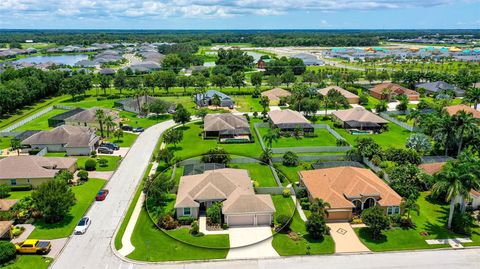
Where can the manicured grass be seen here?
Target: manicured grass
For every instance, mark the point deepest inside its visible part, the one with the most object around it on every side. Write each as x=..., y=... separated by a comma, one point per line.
x=29, y=262
x=193, y=144
x=284, y=245
x=126, y=141
x=258, y=172
x=324, y=138
x=291, y=172
x=245, y=103
x=131, y=119
x=40, y=123
x=113, y=162
x=152, y=244
x=18, y=194
x=5, y=142
x=432, y=219
x=131, y=207
x=85, y=195
x=209, y=241
x=56, y=154
x=178, y=173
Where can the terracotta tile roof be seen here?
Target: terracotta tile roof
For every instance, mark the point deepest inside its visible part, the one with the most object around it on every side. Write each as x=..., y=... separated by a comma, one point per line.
x=287, y=116
x=344, y=92
x=6, y=204
x=453, y=110
x=33, y=166
x=275, y=94
x=432, y=168
x=475, y=193
x=339, y=185
x=395, y=88
x=67, y=135
x=233, y=186
x=359, y=114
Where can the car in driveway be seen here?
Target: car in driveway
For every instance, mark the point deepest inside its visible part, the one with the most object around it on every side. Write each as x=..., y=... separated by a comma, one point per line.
x=82, y=226
x=110, y=145
x=138, y=130
x=127, y=128
x=105, y=150
x=101, y=195
x=33, y=246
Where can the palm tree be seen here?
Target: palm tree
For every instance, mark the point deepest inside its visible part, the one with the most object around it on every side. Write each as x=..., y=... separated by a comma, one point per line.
x=100, y=116
x=464, y=123
x=272, y=136
x=473, y=96
x=410, y=204
x=414, y=115
x=16, y=144
x=110, y=124
x=444, y=131
x=320, y=206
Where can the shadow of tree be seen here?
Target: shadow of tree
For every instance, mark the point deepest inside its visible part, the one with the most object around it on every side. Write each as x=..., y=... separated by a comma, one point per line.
x=47, y=226
x=366, y=234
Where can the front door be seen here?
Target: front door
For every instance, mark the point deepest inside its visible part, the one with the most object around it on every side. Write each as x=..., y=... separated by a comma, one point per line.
x=203, y=207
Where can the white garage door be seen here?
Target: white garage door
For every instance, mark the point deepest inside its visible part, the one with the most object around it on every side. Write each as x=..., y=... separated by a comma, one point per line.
x=263, y=220
x=244, y=220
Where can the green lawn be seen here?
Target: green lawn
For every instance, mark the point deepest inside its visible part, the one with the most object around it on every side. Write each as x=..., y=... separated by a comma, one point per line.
x=5, y=142
x=194, y=145
x=258, y=172
x=432, y=219
x=113, y=162
x=324, y=138
x=284, y=245
x=40, y=123
x=245, y=103
x=291, y=172
x=29, y=262
x=126, y=141
x=152, y=244
x=131, y=119
x=18, y=194
x=85, y=195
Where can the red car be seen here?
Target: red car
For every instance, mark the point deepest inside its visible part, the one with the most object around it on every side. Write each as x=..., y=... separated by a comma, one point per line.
x=101, y=195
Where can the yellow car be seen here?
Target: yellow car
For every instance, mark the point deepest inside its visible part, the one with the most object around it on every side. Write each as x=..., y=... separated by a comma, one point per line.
x=34, y=246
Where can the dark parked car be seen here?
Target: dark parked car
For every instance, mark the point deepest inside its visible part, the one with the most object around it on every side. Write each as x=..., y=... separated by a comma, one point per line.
x=138, y=130
x=127, y=128
x=105, y=150
x=110, y=145
x=101, y=195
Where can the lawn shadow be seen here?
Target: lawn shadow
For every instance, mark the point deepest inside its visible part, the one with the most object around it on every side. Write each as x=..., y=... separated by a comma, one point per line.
x=366, y=234
x=41, y=224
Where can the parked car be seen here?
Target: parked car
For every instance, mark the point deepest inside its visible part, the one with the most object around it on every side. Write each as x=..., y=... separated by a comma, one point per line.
x=33, y=246
x=82, y=225
x=105, y=150
x=127, y=128
x=110, y=145
x=101, y=195
x=138, y=130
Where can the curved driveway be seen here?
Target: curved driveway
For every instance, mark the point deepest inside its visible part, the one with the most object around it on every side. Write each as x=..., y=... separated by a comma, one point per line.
x=93, y=250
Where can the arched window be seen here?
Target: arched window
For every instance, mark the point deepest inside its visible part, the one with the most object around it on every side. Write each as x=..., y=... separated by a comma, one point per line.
x=357, y=206
x=368, y=203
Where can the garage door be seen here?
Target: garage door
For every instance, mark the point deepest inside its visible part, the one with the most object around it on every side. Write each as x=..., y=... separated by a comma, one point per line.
x=264, y=220
x=244, y=220
x=339, y=215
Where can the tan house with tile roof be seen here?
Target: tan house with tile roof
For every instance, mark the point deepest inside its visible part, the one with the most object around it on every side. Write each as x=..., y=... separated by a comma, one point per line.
x=389, y=91
x=351, y=97
x=234, y=188
x=289, y=120
x=453, y=110
x=226, y=125
x=33, y=170
x=275, y=94
x=358, y=118
x=349, y=190
x=7, y=204
x=88, y=119
x=73, y=140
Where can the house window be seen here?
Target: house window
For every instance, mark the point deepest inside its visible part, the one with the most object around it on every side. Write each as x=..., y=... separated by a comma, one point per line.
x=13, y=182
x=187, y=211
x=389, y=210
x=397, y=210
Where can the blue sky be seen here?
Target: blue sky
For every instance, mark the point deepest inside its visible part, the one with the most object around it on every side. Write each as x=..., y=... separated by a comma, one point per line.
x=240, y=14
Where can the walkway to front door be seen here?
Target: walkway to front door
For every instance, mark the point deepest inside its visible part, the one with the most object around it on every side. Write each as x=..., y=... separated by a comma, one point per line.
x=346, y=241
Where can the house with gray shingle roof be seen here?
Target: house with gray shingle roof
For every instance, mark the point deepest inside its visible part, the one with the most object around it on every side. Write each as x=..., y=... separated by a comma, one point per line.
x=440, y=87
x=226, y=126
x=205, y=99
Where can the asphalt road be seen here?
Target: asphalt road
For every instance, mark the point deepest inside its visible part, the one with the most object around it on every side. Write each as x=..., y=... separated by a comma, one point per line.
x=93, y=249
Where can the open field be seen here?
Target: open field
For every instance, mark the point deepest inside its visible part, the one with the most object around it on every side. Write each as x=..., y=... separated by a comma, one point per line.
x=40, y=123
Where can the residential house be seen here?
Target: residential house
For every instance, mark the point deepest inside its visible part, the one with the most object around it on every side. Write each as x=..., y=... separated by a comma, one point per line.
x=388, y=91
x=205, y=99
x=309, y=59
x=88, y=118
x=59, y=119
x=135, y=105
x=33, y=170
x=453, y=110
x=226, y=126
x=437, y=87
x=5, y=229
x=7, y=204
x=233, y=188
x=73, y=140
x=351, y=97
x=359, y=118
x=349, y=190
x=274, y=95
x=289, y=120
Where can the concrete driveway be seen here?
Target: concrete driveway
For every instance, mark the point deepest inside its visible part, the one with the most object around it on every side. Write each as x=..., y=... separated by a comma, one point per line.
x=122, y=152
x=346, y=241
x=251, y=243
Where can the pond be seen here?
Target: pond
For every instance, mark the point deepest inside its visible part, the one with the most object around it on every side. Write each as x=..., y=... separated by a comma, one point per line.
x=60, y=59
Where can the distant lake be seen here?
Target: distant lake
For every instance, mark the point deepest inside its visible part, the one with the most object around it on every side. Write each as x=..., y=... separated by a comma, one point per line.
x=256, y=56
x=60, y=59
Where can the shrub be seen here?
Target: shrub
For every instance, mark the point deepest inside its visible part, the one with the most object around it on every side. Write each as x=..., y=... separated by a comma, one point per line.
x=6, y=215
x=216, y=155
x=214, y=213
x=185, y=220
x=17, y=231
x=376, y=220
x=83, y=175
x=316, y=225
x=4, y=189
x=194, y=228
x=8, y=252
x=286, y=193
x=462, y=222
x=376, y=160
x=90, y=165
x=283, y=222
x=342, y=143
x=21, y=188
x=224, y=226
x=305, y=205
x=290, y=159
x=93, y=153
x=301, y=193
x=167, y=222
x=103, y=162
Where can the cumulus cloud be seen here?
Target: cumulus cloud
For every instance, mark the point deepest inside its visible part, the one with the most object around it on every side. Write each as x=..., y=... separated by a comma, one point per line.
x=102, y=9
